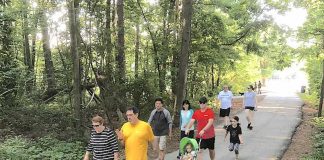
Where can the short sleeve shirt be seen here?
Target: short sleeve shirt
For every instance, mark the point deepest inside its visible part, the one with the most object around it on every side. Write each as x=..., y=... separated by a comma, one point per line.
x=234, y=133
x=249, y=99
x=226, y=99
x=202, y=120
x=136, y=140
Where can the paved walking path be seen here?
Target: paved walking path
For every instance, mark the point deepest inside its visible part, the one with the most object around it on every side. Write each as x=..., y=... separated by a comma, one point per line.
x=275, y=121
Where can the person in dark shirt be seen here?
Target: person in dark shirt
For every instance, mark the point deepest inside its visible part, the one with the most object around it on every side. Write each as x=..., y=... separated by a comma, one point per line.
x=235, y=132
x=259, y=87
x=161, y=122
x=103, y=143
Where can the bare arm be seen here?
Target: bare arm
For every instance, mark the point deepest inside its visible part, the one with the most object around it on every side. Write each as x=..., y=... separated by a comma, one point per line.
x=209, y=124
x=86, y=155
x=225, y=135
x=120, y=137
x=241, y=138
x=192, y=121
x=116, y=156
x=169, y=122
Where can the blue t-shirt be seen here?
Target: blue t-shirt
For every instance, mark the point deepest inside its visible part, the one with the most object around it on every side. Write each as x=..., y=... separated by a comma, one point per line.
x=249, y=99
x=185, y=119
x=225, y=99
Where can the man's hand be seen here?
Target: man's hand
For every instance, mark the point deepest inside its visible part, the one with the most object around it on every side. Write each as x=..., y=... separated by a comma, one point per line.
x=86, y=156
x=187, y=132
x=119, y=134
x=201, y=133
x=116, y=156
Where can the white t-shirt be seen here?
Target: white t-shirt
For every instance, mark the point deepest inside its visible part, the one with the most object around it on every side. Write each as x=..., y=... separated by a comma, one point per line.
x=225, y=99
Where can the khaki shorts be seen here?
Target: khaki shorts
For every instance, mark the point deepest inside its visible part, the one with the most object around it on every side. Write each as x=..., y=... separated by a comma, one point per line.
x=160, y=141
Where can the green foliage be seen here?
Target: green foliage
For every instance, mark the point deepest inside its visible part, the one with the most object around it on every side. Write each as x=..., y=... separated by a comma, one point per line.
x=18, y=148
x=311, y=99
x=143, y=94
x=319, y=122
x=313, y=69
x=228, y=41
x=318, y=152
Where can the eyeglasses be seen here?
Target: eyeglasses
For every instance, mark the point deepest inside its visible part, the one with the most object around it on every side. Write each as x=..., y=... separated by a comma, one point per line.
x=95, y=126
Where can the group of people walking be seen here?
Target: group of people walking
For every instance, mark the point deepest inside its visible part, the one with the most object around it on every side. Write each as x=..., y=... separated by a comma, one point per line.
x=136, y=135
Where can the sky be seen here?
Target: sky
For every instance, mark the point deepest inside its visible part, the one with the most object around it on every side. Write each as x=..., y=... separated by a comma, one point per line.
x=293, y=18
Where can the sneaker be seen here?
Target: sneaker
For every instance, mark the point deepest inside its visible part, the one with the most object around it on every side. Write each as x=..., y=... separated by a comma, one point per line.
x=178, y=157
x=249, y=126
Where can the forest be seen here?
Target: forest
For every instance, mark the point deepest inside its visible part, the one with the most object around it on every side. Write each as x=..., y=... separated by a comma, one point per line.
x=61, y=62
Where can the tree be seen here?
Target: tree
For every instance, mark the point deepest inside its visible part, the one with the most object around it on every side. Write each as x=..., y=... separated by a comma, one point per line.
x=184, y=55
x=73, y=6
x=49, y=66
x=313, y=29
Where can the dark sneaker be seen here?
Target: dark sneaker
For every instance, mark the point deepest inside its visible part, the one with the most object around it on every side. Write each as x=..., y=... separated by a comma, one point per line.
x=249, y=126
x=178, y=157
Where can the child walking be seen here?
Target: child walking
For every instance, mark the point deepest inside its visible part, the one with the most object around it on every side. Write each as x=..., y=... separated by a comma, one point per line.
x=235, y=136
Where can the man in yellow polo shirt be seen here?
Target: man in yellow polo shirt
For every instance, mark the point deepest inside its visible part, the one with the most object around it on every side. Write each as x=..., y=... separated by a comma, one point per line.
x=135, y=136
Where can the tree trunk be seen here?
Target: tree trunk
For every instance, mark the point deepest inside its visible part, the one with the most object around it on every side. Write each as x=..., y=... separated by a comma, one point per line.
x=320, y=106
x=157, y=60
x=49, y=67
x=120, y=58
x=175, y=53
x=25, y=29
x=218, y=77
x=137, y=93
x=27, y=56
x=76, y=64
x=137, y=45
x=193, y=80
x=213, y=78
x=107, y=83
x=184, y=58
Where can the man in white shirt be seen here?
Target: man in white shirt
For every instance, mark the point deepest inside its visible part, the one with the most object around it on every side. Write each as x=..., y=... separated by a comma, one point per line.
x=226, y=102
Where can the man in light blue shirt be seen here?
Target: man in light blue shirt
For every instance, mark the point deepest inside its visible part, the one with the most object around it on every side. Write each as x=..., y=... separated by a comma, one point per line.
x=226, y=102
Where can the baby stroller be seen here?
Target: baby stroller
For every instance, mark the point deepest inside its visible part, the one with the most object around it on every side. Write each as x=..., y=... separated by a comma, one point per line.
x=188, y=149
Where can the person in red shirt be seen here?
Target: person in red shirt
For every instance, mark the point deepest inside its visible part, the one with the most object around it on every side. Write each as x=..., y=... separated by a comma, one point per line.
x=205, y=125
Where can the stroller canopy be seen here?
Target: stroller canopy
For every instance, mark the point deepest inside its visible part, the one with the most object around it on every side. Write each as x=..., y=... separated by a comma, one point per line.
x=185, y=141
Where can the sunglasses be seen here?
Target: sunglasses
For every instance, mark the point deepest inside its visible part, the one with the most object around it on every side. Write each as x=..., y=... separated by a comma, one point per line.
x=95, y=126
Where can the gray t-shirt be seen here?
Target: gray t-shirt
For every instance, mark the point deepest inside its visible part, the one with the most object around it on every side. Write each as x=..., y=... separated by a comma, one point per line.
x=249, y=99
